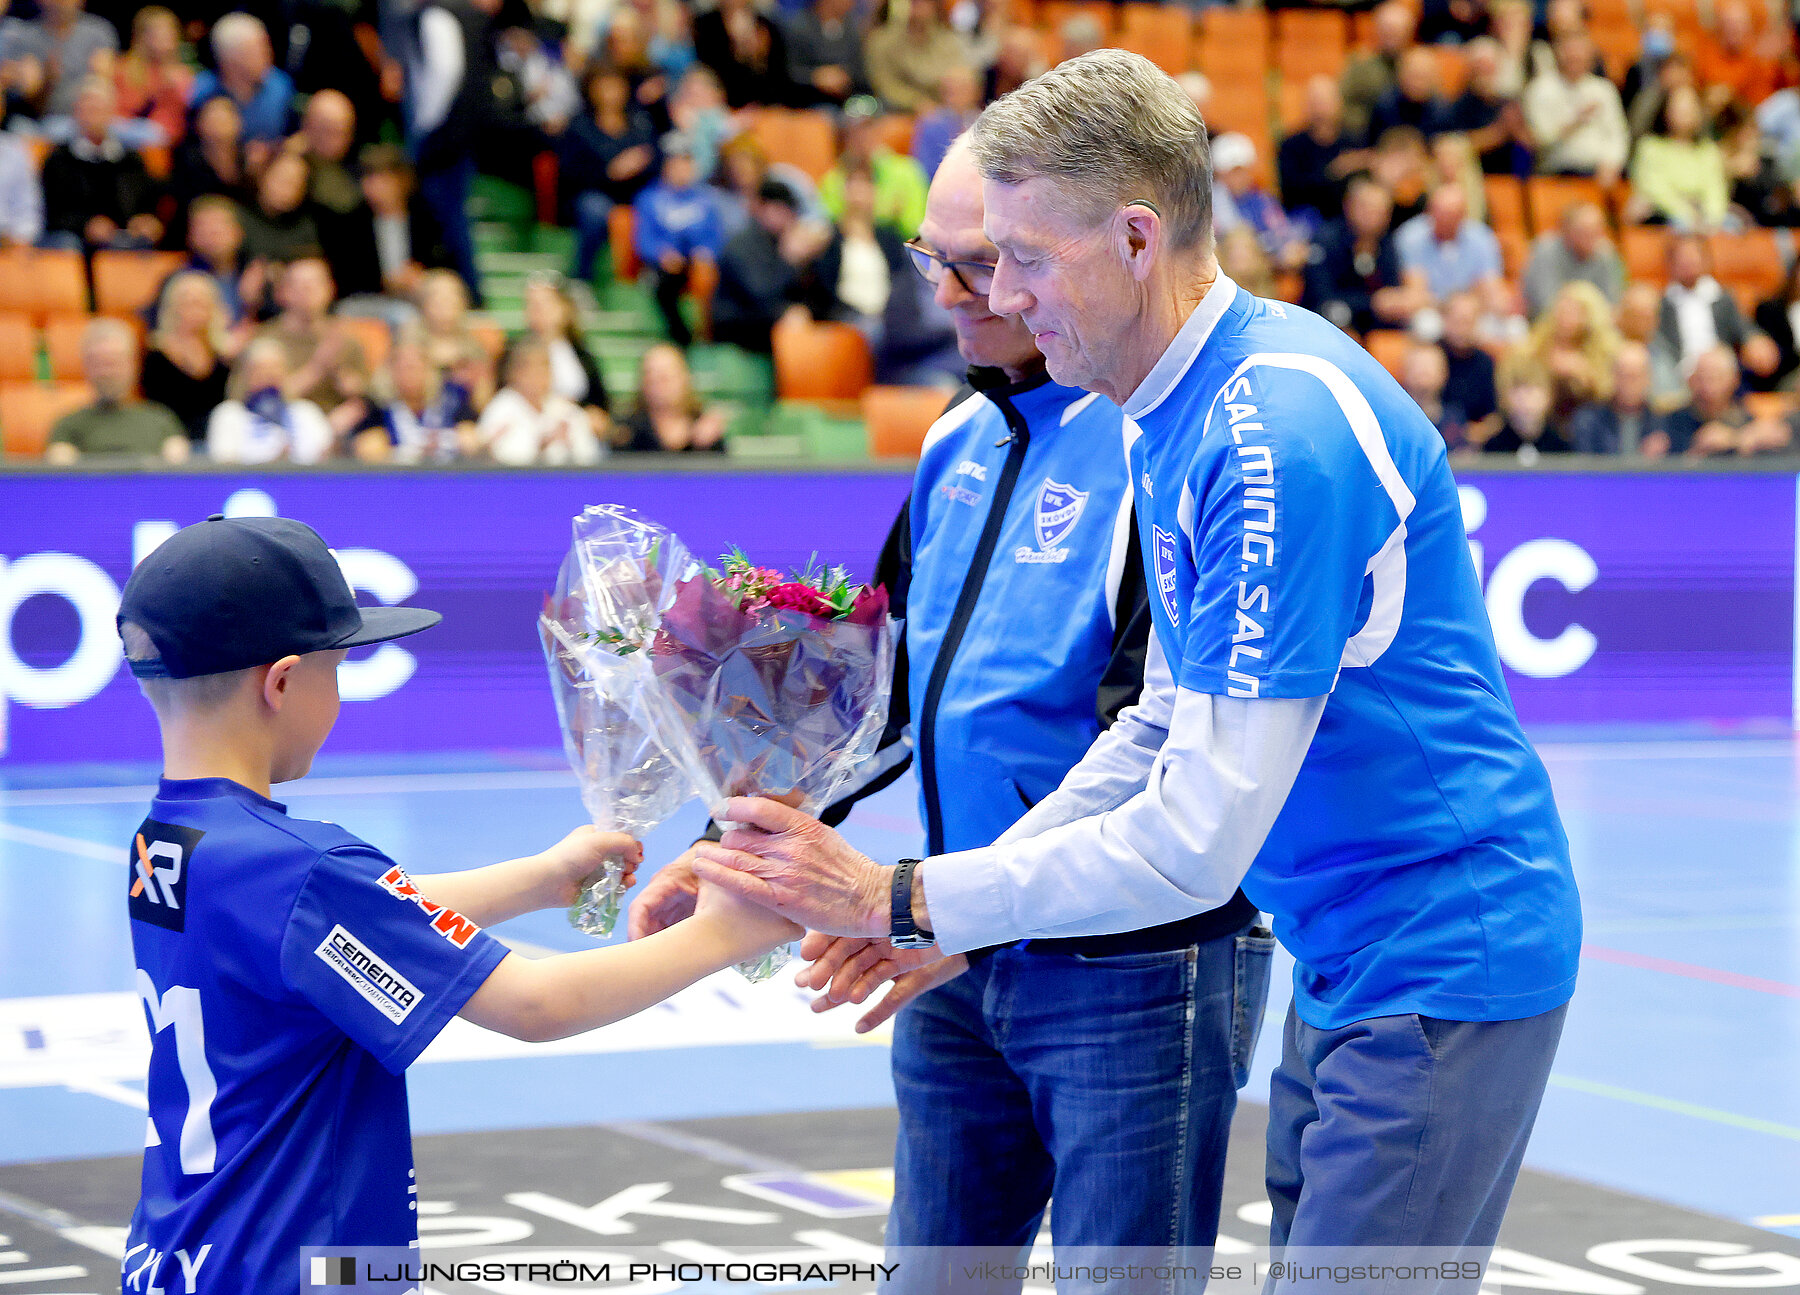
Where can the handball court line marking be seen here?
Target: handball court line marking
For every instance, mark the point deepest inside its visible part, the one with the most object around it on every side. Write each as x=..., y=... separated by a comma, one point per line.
x=1690, y=971
x=375, y=784
x=1673, y=1106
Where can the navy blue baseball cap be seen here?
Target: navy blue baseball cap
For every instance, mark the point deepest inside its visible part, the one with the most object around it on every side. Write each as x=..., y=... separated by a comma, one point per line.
x=231, y=593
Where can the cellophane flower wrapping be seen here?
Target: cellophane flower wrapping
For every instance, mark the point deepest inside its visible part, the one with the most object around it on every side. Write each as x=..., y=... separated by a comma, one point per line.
x=770, y=693
x=610, y=593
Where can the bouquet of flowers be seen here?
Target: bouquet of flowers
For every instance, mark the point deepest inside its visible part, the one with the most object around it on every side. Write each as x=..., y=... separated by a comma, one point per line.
x=746, y=681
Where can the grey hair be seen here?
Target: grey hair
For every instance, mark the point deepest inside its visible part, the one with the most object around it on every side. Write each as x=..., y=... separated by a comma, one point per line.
x=234, y=30
x=1113, y=128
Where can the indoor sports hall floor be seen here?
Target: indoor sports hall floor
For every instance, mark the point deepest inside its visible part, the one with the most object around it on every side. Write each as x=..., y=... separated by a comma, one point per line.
x=1667, y=1156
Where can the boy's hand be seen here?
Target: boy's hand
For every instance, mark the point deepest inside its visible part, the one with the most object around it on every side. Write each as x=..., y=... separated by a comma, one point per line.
x=748, y=927
x=578, y=856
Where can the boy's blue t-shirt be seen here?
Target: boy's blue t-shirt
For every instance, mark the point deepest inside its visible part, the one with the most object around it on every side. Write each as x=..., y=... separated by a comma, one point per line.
x=1303, y=538
x=290, y=973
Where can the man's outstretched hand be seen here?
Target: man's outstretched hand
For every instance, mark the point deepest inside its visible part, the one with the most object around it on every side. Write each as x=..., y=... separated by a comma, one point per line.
x=849, y=968
x=794, y=864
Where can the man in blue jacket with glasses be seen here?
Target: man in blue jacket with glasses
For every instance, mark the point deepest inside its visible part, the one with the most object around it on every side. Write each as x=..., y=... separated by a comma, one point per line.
x=1014, y=567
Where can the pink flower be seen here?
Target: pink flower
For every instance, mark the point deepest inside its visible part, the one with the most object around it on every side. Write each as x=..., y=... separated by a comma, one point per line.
x=799, y=598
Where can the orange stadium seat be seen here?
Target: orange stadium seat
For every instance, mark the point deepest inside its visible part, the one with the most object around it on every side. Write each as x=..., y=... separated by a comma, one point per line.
x=896, y=131
x=1164, y=34
x=29, y=410
x=1645, y=249
x=1241, y=104
x=621, y=231
x=62, y=340
x=1291, y=104
x=127, y=282
x=1389, y=346
x=1749, y=261
x=1505, y=203
x=801, y=137
x=373, y=334
x=899, y=417
x=1515, y=251
x=702, y=285
x=42, y=283
x=1310, y=42
x=1770, y=404
x=821, y=361
x=1548, y=196
x=18, y=348
x=1022, y=13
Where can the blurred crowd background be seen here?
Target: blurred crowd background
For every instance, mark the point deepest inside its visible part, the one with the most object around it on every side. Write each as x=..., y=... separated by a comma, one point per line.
x=545, y=231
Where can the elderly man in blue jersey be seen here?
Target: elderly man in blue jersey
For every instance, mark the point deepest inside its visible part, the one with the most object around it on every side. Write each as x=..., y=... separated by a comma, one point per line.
x=1014, y=569
x=1324, y=719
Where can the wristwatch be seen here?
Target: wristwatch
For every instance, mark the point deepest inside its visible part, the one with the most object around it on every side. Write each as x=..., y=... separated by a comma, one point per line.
x=903, y=932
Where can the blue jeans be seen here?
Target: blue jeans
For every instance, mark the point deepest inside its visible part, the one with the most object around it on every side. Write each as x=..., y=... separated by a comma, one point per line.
x=592, y=212
x=1402, y=1130
x=1108, y=1083
x=445, y=193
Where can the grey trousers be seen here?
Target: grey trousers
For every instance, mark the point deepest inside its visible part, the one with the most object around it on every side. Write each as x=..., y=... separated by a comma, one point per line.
x=1402, y=1130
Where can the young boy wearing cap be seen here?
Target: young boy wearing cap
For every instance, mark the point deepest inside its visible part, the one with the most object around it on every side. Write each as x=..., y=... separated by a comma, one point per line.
x=292, y=972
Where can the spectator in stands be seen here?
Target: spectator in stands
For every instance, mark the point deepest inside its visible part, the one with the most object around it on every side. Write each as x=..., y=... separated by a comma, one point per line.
x=1576, y=119
x=1696, y=313
x=1779, y=319
x=552, y=317
x=1511, y=26
x=1354, y=277
x=97, y=193
x=391, y=240
x=314, y=344
x=1080, y=34
x=189, y=359
x=1488, y=112
x=1735, y=65
x=279, y=225
x=1234, y=169
x=215, y=247
x=1443, y=252
x=1574, y=343
x=444, y=320
x=1619, y=424
x=1638, y=319
x=743, y=166
x=1243, y=261
x=21, y=192
x=425, y=419
x=67, y=46
x=1413, y=100
x=1643, y=111
x=1401, y=164
x=907, y=58
x=547, y=94
x=1020, y=58
x=748, y=53
x=825, y=51
x=1453, y=160
x=1762, y=191
x=1469, y=381
x=855, y=274
x=258, y=423
x=1315, y=162
x=211, y=160
x=670, y=417
x=117, y=422
x=1655, y=49
x=763, y=269
x=246, y=73
x=153, y=84
x=1678, y=174
x=1453, y=22
x=608, y=156
x=1560, y=18
x=958, y=104
x=327, y=134
x=702, y=116
x=1525, y=428
x=676, y=224
x=628, y=49
x=1577, y=249
x=1423, y=373
x=1710, y=423
x=900, y=184
x=527, y=423
x=449, y=90
x=1369, y=76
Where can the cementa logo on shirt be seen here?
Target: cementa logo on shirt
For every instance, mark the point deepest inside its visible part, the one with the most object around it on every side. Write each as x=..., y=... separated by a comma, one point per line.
x=160, y=854
x=384, y=988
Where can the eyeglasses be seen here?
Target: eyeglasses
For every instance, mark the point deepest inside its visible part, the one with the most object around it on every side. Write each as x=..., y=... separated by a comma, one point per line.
x=976, y=277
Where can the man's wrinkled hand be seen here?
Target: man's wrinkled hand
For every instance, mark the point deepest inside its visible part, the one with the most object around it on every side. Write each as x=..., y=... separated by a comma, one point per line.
x=850, y=968
x=788, y=861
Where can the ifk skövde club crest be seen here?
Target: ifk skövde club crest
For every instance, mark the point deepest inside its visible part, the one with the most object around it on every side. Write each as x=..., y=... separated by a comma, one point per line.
x=1163, y=551
x=1058, y=509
